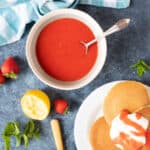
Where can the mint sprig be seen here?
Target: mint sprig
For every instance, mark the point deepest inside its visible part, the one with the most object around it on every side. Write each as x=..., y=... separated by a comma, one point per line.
x=29, y=132
x=12, y=129
x=141, y=67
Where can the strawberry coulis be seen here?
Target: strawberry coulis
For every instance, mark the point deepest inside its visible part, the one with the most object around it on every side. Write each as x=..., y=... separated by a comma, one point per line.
x=147, y=145
x=60, y=52
x=124, y=139
x=126, y=120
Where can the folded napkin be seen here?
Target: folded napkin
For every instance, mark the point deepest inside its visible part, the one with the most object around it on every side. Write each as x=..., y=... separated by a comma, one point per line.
x=15, y=14
x=108, y=3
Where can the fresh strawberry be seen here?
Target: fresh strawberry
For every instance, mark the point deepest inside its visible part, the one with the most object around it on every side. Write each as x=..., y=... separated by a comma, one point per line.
x=10, y=68
x=61, y=106
x=2, y=78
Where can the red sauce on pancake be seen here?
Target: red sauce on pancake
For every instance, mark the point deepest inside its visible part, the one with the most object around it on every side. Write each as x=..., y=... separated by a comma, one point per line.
x=147, y=145
x=128, y=143
x=124, y=139
x=126, y=120
x=138, y=115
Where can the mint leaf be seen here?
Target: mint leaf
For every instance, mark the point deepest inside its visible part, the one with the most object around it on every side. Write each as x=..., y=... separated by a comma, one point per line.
x=31, y=126
x=12, y=128
x=140, y=71
x=6, y=142
x=36, y=133
x=17, y=130
x=29, y=129
x=18, y=140
x=141, y=67
x=144, y=64
x=26, y=140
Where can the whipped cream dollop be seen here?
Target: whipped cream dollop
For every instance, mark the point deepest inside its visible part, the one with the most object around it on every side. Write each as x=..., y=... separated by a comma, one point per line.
x=128, y=131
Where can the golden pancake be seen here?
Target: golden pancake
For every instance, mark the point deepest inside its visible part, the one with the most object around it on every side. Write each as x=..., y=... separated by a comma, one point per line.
x=99, y=136
x=145, y=111
x=145, y=148
x=129, y=95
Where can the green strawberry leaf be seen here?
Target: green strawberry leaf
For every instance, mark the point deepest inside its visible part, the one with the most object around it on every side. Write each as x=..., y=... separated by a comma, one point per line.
x=66, y=111
x=11, y=75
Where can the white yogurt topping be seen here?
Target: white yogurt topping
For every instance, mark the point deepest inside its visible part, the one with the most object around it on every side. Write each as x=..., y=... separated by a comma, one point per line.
x=119, y=126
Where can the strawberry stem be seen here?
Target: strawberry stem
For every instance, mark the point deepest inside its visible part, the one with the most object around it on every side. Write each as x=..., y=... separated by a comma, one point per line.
x=11, y=75
x=67, y=111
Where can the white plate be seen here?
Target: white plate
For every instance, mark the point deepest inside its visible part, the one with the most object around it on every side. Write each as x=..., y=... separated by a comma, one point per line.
x=90, y=110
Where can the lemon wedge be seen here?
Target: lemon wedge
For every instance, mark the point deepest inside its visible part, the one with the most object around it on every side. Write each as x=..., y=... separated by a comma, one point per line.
x=35, y=104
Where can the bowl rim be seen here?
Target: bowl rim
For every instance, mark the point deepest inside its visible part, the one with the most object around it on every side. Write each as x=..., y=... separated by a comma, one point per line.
x=33, y=67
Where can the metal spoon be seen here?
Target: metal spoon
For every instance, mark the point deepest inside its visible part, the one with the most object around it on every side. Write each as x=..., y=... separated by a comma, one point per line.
x=120, y=25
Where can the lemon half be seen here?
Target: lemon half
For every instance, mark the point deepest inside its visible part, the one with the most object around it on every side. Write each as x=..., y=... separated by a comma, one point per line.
x=35, y=104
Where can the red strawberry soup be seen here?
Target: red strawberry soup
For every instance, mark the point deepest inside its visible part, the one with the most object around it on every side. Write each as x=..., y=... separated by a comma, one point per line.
x=60, y=53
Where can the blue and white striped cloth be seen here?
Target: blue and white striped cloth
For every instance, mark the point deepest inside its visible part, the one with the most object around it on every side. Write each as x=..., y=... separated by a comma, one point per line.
x=15, y=14
x=107, y=3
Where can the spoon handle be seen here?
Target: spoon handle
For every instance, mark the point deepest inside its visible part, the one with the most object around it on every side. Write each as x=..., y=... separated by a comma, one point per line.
x=120, y=25
x=57, y=134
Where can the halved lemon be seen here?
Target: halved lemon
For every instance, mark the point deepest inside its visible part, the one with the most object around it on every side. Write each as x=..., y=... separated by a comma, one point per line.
x=35, y=104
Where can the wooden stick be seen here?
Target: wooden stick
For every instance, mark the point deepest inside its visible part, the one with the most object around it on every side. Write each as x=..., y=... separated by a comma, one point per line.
x=57, y=134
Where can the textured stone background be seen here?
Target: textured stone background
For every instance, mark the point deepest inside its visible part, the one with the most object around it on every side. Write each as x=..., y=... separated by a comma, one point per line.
x=124, y=49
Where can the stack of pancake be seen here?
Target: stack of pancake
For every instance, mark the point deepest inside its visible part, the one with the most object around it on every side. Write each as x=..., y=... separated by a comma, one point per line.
x=130, y=95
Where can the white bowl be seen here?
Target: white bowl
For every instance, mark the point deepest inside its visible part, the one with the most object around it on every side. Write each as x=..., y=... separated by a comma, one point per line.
x=31, y=48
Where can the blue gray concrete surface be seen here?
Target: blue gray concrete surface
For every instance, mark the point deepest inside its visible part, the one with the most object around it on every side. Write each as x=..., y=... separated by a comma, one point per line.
x=124, y=49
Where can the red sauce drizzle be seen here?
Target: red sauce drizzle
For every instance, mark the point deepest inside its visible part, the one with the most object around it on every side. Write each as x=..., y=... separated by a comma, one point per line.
x=148, y=139
x=138, y=115
x=124, y=139
x=127, y=143
x=126, y=120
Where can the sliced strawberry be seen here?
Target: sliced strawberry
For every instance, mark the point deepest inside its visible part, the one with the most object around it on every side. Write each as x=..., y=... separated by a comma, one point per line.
x=10, y=68
x=60, y=106
x=2, y=78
